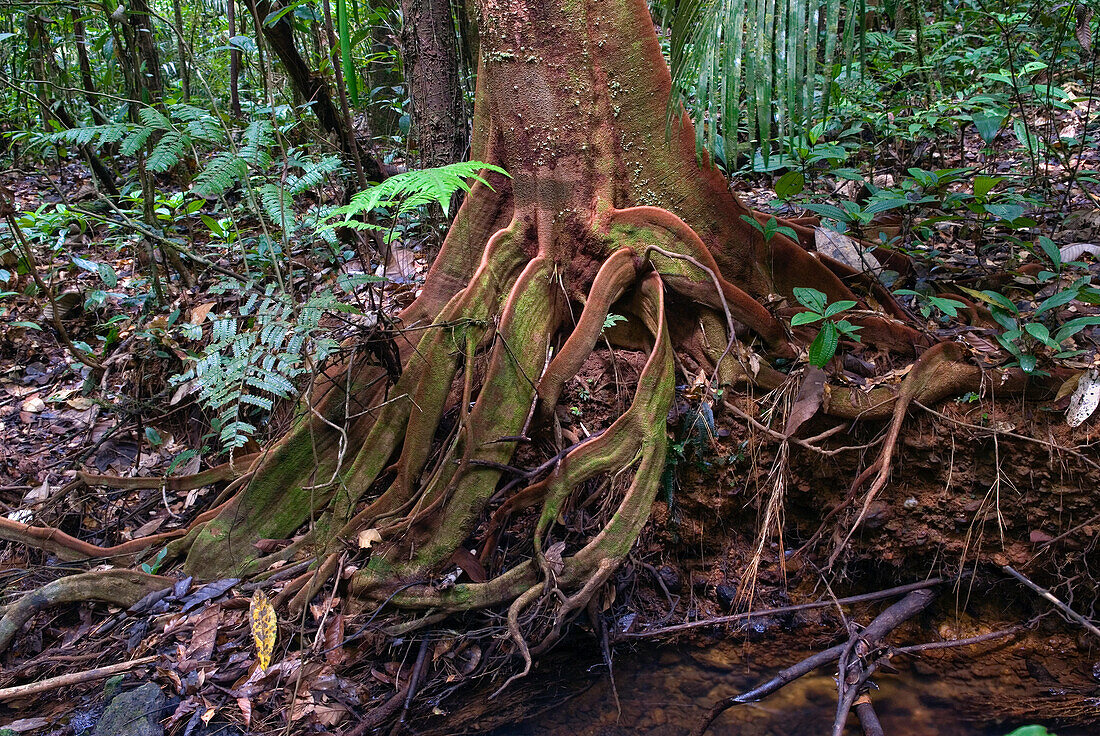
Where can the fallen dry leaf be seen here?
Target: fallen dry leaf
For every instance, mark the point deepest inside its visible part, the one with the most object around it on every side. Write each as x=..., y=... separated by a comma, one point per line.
x=261, y=617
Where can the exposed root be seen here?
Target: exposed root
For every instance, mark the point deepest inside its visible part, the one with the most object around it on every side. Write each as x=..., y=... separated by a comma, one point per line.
x=117, y=587
x=922, y=379
x=71, y=549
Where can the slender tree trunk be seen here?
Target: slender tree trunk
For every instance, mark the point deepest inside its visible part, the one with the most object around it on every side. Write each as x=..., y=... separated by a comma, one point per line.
x=313, y=88
x=181, y=51
x=430, y=50
x=147, y=56
x=81, y=42
x=234, y=62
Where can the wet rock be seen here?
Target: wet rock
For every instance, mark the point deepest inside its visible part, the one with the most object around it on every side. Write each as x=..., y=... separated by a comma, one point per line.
x=726, y=595
x=134, y=713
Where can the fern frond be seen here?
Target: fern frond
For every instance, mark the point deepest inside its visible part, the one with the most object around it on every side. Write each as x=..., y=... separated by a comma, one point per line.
x=168, y=151
x=155, y=119
x=415, y=188
x=278, y=205
x=258, y=137
x=223, y=171
x=314, y=172
x=135, y=140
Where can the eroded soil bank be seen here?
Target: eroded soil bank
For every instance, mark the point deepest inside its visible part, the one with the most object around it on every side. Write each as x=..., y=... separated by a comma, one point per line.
x=978, y=488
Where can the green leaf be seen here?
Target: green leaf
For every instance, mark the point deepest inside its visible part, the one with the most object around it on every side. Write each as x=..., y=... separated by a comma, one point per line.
x=1028, y=362
x=1052, y=251
x=1009, y=212
x=107, y=273
x=949, y=307
x=805, y=318
x=828, y=210
x=1031, y=731
x=351, y=75
x=988, y=124
x=823, y=348
x=1057, y=300
x=994, y=298
x=1038, y=331
x=810, y=298
x=837, y=307
x=789, y=184
x=1071, y=328
x=984, y=184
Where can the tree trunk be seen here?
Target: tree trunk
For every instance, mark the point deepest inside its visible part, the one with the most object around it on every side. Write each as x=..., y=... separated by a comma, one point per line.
x=234, y=62
x=181, y=51
x=81, y=42
x=430, y=50
x=145, y=47
x=313, y=88
x=602, y=215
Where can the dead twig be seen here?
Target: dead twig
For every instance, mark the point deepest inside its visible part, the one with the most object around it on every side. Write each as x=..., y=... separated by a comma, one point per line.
x=72, y=678
x=863, y=598
x=1069, y=612
x=860, y=643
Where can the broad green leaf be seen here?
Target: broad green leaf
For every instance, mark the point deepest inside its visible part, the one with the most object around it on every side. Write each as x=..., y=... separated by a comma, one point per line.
x=823, y=348
x=1071, y=328
x=1057, y=300
x=983, y=185
x=805, y=318
x=988, y=124
x=837, y=307
x=789, y=184
x=810, y=298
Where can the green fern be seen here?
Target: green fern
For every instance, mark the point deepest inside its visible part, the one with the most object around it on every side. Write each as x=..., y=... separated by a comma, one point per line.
x=255, y=356
x=413, y=189
x=168, y=151
x=220, y=174
x=313, y=174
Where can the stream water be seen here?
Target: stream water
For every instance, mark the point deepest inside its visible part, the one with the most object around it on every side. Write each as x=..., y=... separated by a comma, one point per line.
x=664, y=692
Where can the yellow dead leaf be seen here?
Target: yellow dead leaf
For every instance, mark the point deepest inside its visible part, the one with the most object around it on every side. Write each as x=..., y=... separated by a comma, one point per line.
x=261, y=617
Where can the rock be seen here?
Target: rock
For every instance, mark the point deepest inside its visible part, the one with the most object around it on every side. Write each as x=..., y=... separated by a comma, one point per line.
x=134, y=713
x=669, y=578
x=726, y=595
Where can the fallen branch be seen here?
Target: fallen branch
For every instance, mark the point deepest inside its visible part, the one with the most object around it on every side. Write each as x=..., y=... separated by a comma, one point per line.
x=862, y=598
x=880, y=627
x=868, y=719
x=1088, y=625
x=73, y=678
x=118, y=587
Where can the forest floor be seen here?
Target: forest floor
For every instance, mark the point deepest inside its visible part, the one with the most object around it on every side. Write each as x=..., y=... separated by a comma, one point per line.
x=980, y=489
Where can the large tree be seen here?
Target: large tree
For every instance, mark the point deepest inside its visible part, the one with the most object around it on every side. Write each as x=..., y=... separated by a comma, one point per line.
x=603, y=213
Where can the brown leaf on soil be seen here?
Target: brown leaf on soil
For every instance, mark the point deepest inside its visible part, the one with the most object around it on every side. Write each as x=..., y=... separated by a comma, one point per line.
x=198, y=314
x=206, y=633
x=808, y=401
x=334, y=636
x=246, y=710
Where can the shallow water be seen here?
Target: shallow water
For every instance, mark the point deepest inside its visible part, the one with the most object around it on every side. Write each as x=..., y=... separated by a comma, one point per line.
x=664, y=692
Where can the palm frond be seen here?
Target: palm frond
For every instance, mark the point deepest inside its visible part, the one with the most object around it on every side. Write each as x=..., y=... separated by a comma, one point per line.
x=775, y=59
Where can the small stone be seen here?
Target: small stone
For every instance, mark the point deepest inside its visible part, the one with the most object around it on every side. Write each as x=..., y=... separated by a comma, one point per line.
x=726, y=595
x=134, y=713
